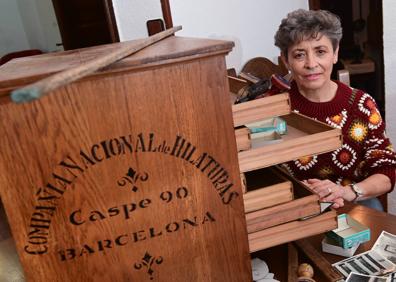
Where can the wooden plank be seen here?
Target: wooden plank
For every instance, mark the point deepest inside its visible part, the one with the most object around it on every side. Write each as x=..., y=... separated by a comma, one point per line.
x=282, y=213
x=268, y=196
x=242, y=136
x=249, y=77
x=260, y=109
x=42, y=87
x=292, y=231
x=268, y=183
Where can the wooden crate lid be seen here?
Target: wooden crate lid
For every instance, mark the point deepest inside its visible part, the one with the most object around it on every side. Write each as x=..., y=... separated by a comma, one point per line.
x=25, y=70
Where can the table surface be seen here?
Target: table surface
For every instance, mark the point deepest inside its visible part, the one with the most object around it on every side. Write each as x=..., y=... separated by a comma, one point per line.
x=377, y=222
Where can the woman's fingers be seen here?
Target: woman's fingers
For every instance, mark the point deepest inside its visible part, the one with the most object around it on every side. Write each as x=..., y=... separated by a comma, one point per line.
x=323, y=188
x=338, y=203
x=327, y=191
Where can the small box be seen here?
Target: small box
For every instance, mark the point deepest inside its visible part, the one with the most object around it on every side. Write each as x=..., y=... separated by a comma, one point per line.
x=349, y=232
x=330, y=246
x=275, y=124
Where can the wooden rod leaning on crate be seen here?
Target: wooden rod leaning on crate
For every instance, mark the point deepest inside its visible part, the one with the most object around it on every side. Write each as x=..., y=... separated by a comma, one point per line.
x=42, y=87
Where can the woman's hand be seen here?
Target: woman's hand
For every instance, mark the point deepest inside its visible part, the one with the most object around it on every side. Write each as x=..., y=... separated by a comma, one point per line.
x=327, y=191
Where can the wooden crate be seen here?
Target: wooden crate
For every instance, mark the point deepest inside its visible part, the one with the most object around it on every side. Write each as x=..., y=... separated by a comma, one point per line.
x=305, y=136
x=118, y=177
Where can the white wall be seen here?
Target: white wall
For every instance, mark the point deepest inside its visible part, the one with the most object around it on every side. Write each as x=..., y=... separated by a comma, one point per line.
x=250, y=24
x=389, y=12
x=31, y=23
x=132, y=15
x=48, y=25
x=12, y=32
x=28, y=24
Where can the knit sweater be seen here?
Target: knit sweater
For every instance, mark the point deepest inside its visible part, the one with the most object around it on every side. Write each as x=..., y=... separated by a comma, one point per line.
x=365, y=149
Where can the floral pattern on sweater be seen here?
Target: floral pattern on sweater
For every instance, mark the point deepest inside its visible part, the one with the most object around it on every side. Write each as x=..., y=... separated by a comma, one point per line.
x=366, y=149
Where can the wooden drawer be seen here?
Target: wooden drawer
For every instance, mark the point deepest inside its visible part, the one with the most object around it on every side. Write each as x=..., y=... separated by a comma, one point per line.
x=269, y=225
x=291, y=231
x=259, y=109
x=293, y=201
x=305, y=136
x=266, y=188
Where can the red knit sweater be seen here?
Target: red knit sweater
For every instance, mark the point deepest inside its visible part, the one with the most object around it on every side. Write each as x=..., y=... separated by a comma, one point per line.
x=365, y=150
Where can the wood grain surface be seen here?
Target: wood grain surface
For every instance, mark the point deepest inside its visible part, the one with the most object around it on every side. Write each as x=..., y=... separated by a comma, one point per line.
x=128, y=176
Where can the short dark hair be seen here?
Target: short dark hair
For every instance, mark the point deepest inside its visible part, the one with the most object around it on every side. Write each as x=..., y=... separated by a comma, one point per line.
x=303, y=24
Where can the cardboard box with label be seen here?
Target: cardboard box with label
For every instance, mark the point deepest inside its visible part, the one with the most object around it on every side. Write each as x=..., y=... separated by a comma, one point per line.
x=349, y=232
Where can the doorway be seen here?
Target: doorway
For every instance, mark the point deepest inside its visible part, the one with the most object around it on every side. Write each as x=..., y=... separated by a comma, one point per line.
x=361, y=47
x=85, y=23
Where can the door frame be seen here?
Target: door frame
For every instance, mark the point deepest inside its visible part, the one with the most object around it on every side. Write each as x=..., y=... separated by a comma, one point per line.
x=111, y=20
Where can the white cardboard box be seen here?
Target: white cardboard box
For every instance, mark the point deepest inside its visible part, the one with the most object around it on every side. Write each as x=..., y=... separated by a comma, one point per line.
x=349, y=232
x=330, y=246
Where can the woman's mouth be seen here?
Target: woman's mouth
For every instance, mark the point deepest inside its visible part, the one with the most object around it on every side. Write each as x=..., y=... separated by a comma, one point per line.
x=313, y=76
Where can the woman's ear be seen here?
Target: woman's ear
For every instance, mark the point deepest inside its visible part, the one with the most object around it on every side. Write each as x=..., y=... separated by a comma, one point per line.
x=335, y=60
x=284, y=60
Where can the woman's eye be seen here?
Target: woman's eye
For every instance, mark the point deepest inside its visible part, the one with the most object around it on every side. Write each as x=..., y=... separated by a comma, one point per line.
x=321, y=52
x=298, y=55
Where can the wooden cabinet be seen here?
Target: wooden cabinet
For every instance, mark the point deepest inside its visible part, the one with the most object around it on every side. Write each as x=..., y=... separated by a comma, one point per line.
x=282, y=209
x=129, y=174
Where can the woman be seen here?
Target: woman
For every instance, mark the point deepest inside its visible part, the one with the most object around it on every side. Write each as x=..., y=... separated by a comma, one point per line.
x=364, y=167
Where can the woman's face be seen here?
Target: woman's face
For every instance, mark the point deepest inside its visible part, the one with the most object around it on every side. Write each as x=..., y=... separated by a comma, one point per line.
x=311, y=62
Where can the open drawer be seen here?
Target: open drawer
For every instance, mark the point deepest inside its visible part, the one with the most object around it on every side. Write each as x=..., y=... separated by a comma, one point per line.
x=292, y=231
x=288, y=220
x=305, y=136
x=292, y=201
x=266, y=188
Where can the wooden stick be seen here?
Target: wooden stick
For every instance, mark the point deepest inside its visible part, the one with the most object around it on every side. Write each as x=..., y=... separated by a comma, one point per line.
x=42, y=87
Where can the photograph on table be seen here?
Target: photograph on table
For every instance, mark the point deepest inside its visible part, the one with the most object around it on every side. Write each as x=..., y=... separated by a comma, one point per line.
x=367, y=263
x=386, y=246
x=356, y=277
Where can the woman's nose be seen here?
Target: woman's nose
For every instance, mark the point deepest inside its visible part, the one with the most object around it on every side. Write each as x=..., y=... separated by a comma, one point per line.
x=310, y=62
